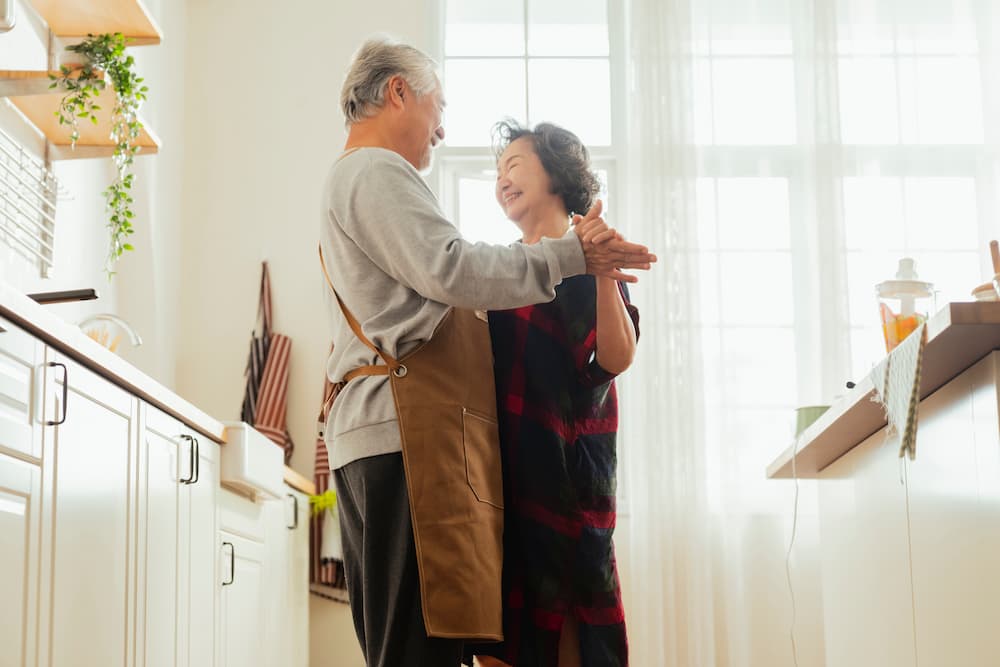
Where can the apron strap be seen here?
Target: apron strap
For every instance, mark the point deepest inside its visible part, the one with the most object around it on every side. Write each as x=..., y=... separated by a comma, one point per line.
x=390, y=363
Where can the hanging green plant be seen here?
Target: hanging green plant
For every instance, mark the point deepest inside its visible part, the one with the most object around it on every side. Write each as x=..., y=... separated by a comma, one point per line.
x=106, y=54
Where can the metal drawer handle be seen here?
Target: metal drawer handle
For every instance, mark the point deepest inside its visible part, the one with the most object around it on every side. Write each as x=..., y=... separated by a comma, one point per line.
x=191, y=458
x=197, y=460
x=232, y=563
x=65, y=393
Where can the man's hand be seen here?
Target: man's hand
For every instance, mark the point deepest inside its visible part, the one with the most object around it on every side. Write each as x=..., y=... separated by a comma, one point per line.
x=604, y=249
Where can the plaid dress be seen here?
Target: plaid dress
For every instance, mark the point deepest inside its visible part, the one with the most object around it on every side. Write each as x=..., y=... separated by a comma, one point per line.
x=558, y=415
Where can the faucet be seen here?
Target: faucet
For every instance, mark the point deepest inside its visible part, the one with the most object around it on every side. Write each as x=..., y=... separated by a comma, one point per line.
x=133, y=336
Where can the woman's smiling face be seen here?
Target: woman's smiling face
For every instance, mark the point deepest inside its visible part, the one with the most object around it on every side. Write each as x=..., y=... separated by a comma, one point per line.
x=522, y=182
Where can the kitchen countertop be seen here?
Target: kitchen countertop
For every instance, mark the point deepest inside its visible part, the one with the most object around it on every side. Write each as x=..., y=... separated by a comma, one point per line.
x=958, y=336
x=71, y=341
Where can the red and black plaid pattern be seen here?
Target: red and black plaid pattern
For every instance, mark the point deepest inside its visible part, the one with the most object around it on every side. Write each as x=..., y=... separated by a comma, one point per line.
x=558, y=415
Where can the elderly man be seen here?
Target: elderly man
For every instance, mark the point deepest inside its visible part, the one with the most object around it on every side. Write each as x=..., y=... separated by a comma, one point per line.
x=412, y=434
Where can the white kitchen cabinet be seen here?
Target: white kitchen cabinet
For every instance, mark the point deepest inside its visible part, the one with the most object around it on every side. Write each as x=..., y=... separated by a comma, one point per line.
x=118, y=546
x=20, y=493
x=21, y=375
x=178, y=472
x=88, y=485
x=287, y=612
x=264, y=573
x=297, y=575
x=19, y=550
x=241, y=601
x=202, y=512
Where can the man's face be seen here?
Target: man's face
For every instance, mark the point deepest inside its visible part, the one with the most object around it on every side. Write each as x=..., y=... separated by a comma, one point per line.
x=427, y=132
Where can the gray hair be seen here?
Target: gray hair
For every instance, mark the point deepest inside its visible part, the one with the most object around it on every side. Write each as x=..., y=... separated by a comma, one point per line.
x=378, y=60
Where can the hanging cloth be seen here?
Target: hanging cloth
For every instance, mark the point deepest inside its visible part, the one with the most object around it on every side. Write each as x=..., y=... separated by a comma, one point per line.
x=260, y=340
x=326, y=562
x=269, y=407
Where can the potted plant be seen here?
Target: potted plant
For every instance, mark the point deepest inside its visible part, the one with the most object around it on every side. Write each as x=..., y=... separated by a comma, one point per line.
x=104, y=56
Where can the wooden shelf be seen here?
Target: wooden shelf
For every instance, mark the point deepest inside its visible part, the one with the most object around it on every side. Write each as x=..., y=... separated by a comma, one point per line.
x=79, y=18
x=29, y=92
x=957, y=337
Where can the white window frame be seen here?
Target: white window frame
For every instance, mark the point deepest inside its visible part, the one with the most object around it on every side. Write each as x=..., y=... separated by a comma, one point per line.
x=452, y=163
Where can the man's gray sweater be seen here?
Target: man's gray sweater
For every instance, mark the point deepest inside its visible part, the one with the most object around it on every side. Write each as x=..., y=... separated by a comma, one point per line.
x=399, y=264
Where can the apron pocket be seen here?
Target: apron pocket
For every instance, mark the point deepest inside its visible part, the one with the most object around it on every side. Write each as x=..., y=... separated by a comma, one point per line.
x=481, y=440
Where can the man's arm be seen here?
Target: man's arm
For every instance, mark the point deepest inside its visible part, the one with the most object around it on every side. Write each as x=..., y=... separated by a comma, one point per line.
x=395, y=221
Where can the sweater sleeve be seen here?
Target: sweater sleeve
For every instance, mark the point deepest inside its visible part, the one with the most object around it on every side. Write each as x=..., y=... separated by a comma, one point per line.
x=393, y=217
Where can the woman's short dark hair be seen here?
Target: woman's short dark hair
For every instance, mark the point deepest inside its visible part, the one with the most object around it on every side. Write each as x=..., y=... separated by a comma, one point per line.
x=563, y=156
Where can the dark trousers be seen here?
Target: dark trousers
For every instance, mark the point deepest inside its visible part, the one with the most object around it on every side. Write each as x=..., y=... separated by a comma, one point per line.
x=380, y=565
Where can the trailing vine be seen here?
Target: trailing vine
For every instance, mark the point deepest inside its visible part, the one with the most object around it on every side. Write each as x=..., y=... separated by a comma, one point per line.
x=104, y=55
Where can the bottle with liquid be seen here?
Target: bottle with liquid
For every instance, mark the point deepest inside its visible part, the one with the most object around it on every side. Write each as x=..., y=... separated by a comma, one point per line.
x=904, y=303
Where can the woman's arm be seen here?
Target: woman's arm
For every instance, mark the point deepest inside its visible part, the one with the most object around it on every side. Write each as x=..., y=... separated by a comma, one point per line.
x=615, y=331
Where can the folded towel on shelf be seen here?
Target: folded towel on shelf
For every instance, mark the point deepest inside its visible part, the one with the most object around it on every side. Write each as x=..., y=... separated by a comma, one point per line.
x=897, y=389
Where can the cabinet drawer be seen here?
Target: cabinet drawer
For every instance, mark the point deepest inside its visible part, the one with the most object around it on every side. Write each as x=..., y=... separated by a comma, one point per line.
x=242, y=516
x=20, y=375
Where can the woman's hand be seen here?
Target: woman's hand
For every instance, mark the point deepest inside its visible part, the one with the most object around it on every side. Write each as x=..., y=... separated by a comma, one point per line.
x=606, y=251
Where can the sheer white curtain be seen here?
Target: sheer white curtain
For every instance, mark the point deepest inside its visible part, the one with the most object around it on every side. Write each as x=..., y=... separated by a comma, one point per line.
x=781, y=156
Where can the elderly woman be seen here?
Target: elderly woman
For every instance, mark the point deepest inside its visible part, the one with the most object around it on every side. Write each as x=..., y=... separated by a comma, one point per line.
x=555, y=365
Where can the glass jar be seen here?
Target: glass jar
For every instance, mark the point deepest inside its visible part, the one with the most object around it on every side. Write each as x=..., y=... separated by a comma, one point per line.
x=904, y=303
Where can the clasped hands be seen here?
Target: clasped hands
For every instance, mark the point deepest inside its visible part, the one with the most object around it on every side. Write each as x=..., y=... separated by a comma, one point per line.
x=605, y=250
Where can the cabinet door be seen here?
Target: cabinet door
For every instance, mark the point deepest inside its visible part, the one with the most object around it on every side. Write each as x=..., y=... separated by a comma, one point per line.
x=241, y=602
x=202, y=561
x=277, y=613
x=953, y=489
x=21, y=357
x=89, y=479
x=19, y=549
x=287, y=580
x=297, y=578
x=867, y=591
x=177, y=534
x=164, y=460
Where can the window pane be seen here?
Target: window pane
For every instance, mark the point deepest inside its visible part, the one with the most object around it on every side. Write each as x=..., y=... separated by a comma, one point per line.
x=941, y=214
x=737, y=27
x=753, y=101
x=575, y=94
x=714, y=374
x=708, y=287
x=758, y=366
x=864, y=271
x=873, y=213
x=867, y=349
x=484, y=28
x=756, y=288
x=479, y=216
x=479, y=93
x=942, y=101
x=906, y=27
x=568, y=28
x=753, y=213
x=954, y=274
x=704, y=126
x=868, y=111
x=707, y=218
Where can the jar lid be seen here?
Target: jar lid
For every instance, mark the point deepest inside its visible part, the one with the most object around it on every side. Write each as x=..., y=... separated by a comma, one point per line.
x=906, y=283
x=897, y=288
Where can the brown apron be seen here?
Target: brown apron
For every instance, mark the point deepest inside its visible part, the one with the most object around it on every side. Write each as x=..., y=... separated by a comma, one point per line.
x=446, y=404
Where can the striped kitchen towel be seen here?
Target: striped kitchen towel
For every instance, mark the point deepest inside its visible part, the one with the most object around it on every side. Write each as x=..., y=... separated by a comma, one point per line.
x=267, y=408
x=260, y=341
